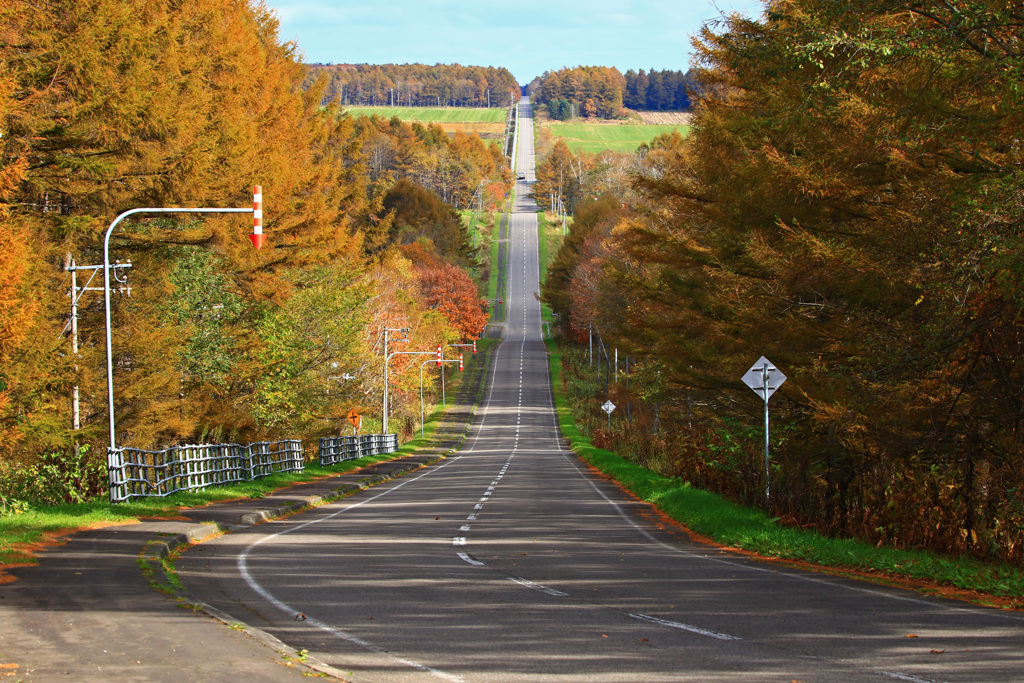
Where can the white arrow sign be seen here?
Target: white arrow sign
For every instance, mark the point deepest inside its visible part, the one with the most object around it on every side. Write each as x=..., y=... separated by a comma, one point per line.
x=608, y=407
x=764, y=378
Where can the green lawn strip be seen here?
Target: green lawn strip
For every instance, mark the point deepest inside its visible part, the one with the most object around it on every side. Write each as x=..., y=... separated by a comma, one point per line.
x=549, y=240
x=20, y=532
x=434, y=114
x=497, y=310
x=733, y=525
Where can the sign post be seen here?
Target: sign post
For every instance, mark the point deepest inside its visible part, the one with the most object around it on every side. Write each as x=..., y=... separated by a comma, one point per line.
x=608, y=407
x=764, y=378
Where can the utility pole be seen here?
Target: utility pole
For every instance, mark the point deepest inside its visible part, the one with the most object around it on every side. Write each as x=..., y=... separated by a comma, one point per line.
x=384, y=416
x=590, y=338
x=76, y=293
x=629, y=401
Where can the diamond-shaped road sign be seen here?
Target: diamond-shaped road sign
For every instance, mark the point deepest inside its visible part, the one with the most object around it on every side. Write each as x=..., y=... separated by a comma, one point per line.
x=608, y=407
x=761, y=371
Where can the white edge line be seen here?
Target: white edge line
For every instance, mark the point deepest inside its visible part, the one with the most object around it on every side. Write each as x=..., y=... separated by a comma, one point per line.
x=906, y=677
x=537, y=587
x=684, y=627
x=746, y=564
x=243, y=569
x=466, y=558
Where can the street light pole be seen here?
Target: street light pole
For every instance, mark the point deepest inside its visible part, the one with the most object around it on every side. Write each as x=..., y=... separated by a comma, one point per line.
x=384, y=416
x=388, y=358
x=421, y=389
x=106, y=296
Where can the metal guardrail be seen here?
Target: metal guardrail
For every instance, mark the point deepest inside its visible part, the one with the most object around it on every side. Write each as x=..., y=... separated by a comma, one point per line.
x=136, y=473
x=335, y=449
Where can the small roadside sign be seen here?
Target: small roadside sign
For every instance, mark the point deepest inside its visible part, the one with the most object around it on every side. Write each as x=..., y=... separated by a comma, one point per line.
x=608, y=407
x=764, y=378
x=355, y=418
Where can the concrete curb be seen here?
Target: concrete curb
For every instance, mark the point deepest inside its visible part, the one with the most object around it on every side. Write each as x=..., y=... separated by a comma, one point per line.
x=269, y=641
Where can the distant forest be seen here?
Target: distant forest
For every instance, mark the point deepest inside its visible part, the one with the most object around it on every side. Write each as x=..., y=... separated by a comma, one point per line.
x=415, y=85
x=657, y=90
x=603, y=91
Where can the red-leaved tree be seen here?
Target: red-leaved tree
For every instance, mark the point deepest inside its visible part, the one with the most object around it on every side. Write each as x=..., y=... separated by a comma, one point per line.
x=450, y=290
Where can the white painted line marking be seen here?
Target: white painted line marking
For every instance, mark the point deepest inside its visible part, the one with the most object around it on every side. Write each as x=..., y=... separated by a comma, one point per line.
x=478, y=506
x=538, y=587
x=459, y=540
x=684, y=627
x=467, y=558
x=471, y=518
x=464, y=527
x=906, y=677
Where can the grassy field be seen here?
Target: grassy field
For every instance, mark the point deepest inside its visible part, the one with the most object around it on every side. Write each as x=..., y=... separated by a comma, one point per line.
x=487, y=123
x=597, y=137
x=434, y=115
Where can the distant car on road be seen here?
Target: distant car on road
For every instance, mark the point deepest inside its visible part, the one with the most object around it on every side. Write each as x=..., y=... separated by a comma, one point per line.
x=521, y=176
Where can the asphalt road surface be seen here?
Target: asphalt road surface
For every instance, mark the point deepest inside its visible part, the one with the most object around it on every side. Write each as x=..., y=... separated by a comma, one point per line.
x=510, y=561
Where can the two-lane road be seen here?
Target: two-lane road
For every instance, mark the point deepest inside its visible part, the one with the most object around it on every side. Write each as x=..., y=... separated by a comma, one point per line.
x=510, y=561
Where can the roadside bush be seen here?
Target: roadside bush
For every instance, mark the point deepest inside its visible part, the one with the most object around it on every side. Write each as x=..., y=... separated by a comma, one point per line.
x=58, y=477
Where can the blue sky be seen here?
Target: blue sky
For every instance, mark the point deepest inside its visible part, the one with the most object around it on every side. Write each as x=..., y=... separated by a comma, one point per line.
x=541, y=35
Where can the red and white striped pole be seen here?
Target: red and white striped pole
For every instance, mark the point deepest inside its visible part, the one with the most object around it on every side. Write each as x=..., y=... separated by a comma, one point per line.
x=257, y=236
x=439, y=355
x=461, y=366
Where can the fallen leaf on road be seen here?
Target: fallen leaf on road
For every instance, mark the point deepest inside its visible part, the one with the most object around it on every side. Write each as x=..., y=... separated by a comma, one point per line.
x=910, y=635
x=604, y=635
x=937, y=652
x=300, y=617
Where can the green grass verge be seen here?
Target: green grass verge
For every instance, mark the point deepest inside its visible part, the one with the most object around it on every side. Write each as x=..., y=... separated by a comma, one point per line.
x=598, y=137
x=20, y=533
x=549, y=240
x=497, y=310
x=749, y=529
x=434, y=114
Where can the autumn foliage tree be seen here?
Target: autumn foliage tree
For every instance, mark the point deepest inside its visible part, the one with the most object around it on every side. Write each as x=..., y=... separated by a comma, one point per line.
x=414, y=85
x=595, y=90
x=450, y=290
x=847, y=204
x=112, y=106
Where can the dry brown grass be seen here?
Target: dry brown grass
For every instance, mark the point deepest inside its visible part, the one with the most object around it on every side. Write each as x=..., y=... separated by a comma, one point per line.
x=666, y=118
